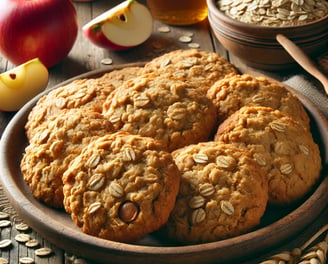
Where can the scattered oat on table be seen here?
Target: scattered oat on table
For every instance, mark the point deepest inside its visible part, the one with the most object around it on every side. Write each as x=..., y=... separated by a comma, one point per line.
x=4, y=261
x=164, y=29
x=22, y=238
x=5, y=243
x=194, y=45
x=4, y=215
x=185, y=39
x=22, y=227
x=4, y=223
x=26, y=260
x=107, y=61
x=42, y=252
x=32, y=243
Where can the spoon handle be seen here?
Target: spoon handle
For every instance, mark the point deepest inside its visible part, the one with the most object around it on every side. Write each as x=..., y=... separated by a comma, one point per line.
x=303, y=60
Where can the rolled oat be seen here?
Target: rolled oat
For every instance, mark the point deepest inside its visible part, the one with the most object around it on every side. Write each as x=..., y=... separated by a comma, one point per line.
x=274, y=13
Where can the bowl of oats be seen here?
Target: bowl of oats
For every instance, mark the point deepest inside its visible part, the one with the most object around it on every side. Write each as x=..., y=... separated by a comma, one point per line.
x=248, y=29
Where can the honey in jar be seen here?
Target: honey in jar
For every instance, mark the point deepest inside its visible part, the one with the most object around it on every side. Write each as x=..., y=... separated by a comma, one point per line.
x=178, y=12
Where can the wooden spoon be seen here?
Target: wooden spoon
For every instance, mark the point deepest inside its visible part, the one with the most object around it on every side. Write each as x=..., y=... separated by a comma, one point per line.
x=303, y=60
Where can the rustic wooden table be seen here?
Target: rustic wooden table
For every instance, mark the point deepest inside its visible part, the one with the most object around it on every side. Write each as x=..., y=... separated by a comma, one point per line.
x=85, y=57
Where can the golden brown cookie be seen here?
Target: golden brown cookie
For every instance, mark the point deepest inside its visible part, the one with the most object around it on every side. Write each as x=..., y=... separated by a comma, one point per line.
x=282, y=146
x=202, y=68
x=88, y=94
x=236, y=91
x=118, y=77
x=54, y=144
x=121, y=187
x=223, y=193
x=159, y=106
x=85, y=94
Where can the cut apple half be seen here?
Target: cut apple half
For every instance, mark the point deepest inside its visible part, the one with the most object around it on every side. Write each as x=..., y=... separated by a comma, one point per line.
x=124, y=26
x=21, y=84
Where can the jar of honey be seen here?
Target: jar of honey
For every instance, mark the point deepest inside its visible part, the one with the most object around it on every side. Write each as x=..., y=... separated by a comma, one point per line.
x=178, y=12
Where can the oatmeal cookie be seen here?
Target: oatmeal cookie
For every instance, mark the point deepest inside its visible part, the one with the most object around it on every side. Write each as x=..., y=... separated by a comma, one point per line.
x=173, y=111
x=88, y=94
x=202, y=68
x=118, y=77
x=85, y=94
x=55, y=143
x=121, y=187
x=223, y=193
x=282, y=146
x=236, y=91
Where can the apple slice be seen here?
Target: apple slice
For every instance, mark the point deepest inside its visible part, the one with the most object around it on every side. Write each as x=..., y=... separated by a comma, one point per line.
x=22, y=83
x=124, y=26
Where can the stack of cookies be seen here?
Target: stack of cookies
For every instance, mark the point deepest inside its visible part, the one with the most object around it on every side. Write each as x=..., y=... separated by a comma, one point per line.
x=184, y=144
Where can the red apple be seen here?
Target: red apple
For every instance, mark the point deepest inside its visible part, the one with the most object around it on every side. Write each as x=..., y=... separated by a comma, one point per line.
x=46, y=29
x=125, y=26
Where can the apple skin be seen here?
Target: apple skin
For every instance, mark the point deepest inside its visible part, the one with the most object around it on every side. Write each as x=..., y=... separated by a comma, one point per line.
x=44, y=29
x=98, y=38
x=130, y=20
x=21, y=84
